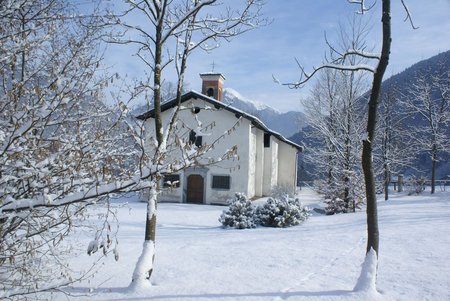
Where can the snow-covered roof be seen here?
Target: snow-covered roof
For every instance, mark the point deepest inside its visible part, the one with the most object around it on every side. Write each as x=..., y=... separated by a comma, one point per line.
x=220, y=105
x=212, y=74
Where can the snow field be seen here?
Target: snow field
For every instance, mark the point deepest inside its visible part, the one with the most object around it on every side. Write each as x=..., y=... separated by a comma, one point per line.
x=318, y=260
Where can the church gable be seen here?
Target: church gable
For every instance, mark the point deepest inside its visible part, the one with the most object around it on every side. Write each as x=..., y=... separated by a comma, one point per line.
x=215, y=106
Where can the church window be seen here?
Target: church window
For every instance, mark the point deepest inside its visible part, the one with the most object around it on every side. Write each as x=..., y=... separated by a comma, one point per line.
x=194, y=139
x=221, y=182
x=171, y=180
x=266, y=140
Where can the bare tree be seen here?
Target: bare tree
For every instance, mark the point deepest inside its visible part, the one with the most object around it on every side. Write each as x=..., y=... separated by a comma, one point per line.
x=334, y=115
x=393, y=152
x=430, y=102
x=334, y=109
x=378, y=69
x=62, y=149
x=172, y=31
x=58, y=149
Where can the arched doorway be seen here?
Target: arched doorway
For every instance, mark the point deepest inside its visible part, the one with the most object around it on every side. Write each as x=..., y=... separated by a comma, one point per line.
x=195, y=185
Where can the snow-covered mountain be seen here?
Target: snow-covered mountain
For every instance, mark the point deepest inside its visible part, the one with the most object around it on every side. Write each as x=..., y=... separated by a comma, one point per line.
x=287, y=123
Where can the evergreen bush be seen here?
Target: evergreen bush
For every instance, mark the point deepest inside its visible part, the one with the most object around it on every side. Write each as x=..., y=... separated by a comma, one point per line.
x=335, y=206
x=240, y=213
x=281, y=212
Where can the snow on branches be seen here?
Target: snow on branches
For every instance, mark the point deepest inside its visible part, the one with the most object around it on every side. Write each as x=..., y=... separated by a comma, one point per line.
x=61, y=148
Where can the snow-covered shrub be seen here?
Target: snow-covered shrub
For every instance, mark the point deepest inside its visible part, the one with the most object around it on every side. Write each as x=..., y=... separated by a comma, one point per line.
x=240, y=213
x=335, y=206
x=417, y=185
x=281, y=212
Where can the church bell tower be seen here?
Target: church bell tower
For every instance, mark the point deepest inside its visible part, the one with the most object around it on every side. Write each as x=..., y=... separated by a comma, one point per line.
x=212, y=85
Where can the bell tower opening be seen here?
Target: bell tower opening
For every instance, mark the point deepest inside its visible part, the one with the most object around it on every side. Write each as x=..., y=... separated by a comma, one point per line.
x=212, y=85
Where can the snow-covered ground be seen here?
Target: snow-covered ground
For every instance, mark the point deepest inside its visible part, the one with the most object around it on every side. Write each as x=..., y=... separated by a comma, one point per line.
x=318, y=260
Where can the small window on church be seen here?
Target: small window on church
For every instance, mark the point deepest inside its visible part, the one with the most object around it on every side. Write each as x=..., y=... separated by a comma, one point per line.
x=266, y=140
x=171, y=181
x=221, y=182
x=194, y=139
x=210, y=92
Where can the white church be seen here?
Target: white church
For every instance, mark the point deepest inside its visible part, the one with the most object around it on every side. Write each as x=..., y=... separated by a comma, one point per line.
x=265, y=158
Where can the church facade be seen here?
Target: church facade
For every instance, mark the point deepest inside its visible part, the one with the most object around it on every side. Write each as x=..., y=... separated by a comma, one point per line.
x=264, y=159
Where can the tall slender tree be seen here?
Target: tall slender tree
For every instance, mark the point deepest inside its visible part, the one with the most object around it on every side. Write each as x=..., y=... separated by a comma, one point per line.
x=172, y=31
x=334, y=109
x=381, y=61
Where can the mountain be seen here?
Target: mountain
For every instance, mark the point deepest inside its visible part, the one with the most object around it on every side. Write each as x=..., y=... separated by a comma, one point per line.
x=401, y=83
x=405, y=79
x=287, y=124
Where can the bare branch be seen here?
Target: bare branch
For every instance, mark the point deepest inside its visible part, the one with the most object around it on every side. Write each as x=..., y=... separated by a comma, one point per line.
x=305, y=77
x=362, y=3
x=408, y=15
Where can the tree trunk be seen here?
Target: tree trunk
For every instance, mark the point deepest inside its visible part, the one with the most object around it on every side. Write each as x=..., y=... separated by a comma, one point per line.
x=367, y=163
x=144, y=266
x=157, y=85
x=433, y=168
x=387, y=178
x=386, y=152
x=347, y=163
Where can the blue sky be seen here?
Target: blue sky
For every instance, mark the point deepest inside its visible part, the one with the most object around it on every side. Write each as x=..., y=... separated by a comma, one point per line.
x=297, y=31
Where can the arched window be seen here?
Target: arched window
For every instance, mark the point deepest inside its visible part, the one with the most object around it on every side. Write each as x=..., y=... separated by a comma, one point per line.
x=210, y=92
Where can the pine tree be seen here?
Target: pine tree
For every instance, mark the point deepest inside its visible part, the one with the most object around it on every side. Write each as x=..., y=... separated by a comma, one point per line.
x=240, y=213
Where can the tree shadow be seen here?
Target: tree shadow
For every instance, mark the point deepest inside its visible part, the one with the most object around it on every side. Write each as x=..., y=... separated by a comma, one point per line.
x=237, y=296
x=130, y=295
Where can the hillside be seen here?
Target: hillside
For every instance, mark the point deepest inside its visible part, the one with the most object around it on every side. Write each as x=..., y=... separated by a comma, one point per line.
x=401, y=83
x=431, y=66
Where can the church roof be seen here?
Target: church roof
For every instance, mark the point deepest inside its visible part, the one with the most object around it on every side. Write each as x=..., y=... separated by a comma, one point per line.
x=220, y=105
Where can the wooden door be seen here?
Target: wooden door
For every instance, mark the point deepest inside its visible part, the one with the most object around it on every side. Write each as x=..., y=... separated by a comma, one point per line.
x=195, y=189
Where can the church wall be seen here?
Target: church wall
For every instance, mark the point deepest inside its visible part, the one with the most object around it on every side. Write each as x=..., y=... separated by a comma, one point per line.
x=287, y=166
x=233, y=132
